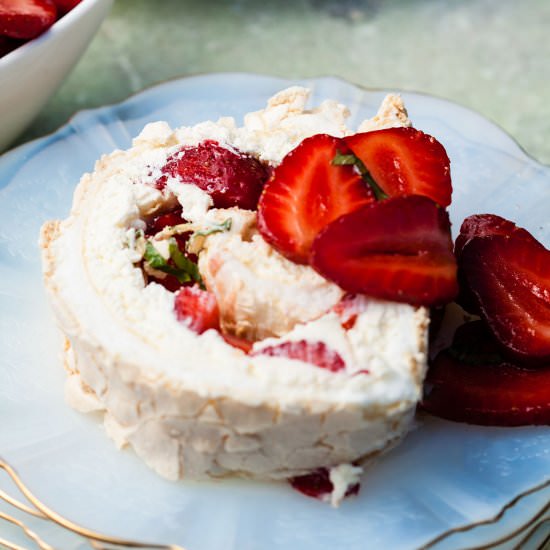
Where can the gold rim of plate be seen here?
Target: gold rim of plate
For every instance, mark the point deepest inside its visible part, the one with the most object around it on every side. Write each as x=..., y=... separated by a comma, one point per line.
x=34, y=507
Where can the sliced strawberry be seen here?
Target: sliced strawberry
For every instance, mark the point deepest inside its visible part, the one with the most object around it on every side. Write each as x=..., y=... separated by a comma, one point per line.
x=471, y=382
x=317, y=484
x=65, y=6
x=26, y=18
x=477, y=226
x=306, y=192
x=405, y=161
x=230, y=177
x=197, y=308
x=399, y=249
x=509, y=277
x=483, y=225
x=316, y=353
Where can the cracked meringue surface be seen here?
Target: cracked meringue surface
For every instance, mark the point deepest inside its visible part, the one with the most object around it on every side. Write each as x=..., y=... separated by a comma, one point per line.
x=192, y=405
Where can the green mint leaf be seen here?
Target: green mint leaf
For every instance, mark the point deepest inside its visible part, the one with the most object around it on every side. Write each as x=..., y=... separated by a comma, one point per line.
x=153, y=257
x=184, y=269
x=215, y=228
x=344, y=160
x=349, y=159
x=188, y=269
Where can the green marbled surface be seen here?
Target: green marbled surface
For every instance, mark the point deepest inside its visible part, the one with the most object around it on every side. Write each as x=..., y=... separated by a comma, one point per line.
x=490, y=55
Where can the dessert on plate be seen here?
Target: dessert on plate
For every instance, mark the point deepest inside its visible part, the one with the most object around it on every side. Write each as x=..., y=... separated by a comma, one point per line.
x=211, y=286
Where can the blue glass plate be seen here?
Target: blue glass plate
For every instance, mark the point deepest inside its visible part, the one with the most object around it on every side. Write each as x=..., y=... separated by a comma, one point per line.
x=442, y=477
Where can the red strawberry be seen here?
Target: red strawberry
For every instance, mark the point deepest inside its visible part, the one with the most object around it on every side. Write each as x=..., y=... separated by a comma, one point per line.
x=405, y=161
x=168, y=219
x=231, y=178
x=306, y=192
x=26, y=18
x=477, y=226
x=485, y=225
x=197, y=308
x=7, y=45
x=399, y=249
x=317, y=484
x=316, y=353
x=470, y=382
x=65, y=6
x=509, y=277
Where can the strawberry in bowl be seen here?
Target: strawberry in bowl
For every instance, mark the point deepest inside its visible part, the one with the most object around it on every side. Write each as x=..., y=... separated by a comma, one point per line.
x=30, y=32
x=22, y=20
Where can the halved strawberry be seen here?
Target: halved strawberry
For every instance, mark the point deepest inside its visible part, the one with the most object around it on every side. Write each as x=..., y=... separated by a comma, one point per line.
x=26, y=18
x=478, y=226
x=230, y=177
x=399, y=249
x=471, y=382
x=316, y=353
x=485, y=225
x=405, y=161
x=197, y=308
x=509, y=277
x=305, y=193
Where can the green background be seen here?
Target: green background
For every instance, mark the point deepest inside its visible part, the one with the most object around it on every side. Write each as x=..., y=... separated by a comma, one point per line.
x=490, y=55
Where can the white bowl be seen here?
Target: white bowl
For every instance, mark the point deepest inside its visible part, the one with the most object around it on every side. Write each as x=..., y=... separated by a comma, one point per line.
x=31, y=74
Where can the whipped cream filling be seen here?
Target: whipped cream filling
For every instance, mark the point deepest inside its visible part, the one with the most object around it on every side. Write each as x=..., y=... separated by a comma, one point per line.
x=138, y=322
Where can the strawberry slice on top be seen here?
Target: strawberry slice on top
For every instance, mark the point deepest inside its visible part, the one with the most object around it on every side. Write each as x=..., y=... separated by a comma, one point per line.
x=399, y=249
x=306, y=192
x=405, y=161
x=509, y=277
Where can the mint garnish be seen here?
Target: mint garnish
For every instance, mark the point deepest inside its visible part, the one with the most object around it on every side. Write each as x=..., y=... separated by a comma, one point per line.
x=215, y=228
x=183, y=269
x=349, y=159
